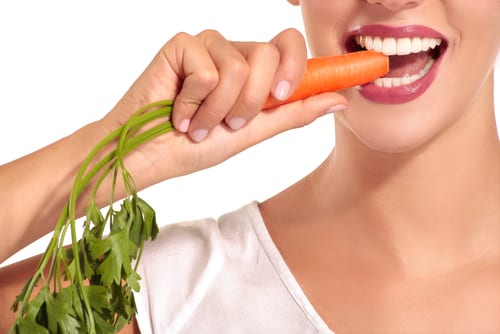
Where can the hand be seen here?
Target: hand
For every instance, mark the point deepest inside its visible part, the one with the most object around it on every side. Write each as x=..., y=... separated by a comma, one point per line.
x=219, y=89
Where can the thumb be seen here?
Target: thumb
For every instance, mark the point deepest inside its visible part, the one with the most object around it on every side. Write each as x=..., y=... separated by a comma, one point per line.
x=271, y=122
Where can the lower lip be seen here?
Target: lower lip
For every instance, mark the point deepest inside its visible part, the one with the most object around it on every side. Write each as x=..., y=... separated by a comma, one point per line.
x=401, y=94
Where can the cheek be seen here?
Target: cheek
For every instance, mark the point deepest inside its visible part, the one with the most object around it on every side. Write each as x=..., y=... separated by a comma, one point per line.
x=477, y=31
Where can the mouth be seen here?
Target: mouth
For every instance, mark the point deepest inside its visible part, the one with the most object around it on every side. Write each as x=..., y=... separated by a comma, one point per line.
x=414, y=55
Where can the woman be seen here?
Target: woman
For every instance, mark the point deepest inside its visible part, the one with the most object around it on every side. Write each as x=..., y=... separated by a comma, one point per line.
x=398, y=231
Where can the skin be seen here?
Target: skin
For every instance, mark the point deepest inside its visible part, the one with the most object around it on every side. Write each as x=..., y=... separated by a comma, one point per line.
x=396, y=232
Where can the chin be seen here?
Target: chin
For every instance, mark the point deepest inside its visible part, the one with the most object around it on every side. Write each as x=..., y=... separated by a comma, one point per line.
x=387, y=134
x=391, y=146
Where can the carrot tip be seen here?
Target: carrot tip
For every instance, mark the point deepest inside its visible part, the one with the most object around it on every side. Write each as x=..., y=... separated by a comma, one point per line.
x=333, y=73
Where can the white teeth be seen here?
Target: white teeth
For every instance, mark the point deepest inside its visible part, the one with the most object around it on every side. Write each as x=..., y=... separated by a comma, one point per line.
x=391, y=46
x=404, y=46
x=406, y=80
x=416, y=45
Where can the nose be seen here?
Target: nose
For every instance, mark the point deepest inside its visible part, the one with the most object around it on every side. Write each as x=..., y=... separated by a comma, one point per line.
x=395, y=5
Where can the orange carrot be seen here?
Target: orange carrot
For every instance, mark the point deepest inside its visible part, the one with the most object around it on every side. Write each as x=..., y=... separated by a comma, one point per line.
x=332, y=73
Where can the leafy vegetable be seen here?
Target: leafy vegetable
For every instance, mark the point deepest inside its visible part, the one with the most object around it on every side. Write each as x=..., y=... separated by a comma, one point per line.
x=88, y=287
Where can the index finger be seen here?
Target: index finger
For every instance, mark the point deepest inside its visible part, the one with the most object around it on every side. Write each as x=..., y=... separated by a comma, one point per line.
x=293, y=56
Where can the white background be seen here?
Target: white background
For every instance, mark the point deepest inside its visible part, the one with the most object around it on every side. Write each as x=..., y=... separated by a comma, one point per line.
x=64, y=64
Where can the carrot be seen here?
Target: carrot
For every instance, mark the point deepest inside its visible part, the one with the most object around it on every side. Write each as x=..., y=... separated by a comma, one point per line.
x=332, y=73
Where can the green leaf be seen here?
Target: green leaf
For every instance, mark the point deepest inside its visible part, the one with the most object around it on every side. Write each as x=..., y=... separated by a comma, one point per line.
x=133, y=281
x=86, y=265
x=70, y=264
x=60, y=312
x=94, y=214
x=70, y=270
x=121, y=218
x=98, y=247
x=98, y=296
x=136, y=227
x=34, y=308
x=150, y=230
x=76, y=302
x=28, y=326
x=117, y=248
x=102, y=325
x=20, y=297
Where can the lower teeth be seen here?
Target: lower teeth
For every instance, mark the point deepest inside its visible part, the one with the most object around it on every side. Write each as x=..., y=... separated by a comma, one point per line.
x=406, y=80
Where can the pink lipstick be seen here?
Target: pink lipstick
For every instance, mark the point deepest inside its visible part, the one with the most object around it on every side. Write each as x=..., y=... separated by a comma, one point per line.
x=415, y=53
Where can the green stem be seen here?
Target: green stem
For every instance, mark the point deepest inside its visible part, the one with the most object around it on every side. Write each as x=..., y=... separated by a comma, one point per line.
x=128, y=139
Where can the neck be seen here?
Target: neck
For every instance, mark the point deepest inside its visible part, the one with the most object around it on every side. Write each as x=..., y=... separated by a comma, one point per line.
x=442, y=199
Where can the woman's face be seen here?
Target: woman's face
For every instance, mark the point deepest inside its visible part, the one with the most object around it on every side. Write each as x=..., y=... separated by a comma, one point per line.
x=444, y=53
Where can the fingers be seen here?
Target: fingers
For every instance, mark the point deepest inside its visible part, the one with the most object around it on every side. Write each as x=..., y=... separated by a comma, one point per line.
x=215, y=73
x=276, y=67
x=219, y=81
x=290, y=116
x=263, y=60
x=267, y=124
x=292, y=47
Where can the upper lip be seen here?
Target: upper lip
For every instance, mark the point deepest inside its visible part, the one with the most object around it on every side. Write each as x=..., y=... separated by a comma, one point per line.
x=396, y=32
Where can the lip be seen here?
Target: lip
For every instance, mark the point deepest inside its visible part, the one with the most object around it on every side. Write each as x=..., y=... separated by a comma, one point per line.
x=404, y=93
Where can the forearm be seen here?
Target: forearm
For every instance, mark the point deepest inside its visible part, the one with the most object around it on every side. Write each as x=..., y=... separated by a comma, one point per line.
x=35, y=188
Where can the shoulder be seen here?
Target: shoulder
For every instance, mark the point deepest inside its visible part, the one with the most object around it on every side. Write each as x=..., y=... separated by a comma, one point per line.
x=183, y=262
x=201, y=236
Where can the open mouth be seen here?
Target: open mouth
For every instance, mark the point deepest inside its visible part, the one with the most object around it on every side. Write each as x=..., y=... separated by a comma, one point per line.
x=413, y=51
x=410, y=58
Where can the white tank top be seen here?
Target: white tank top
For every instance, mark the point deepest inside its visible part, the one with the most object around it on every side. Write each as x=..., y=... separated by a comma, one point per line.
x=222, y=276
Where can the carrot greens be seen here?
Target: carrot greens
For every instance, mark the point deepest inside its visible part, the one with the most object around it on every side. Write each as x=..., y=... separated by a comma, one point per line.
x=88, y=287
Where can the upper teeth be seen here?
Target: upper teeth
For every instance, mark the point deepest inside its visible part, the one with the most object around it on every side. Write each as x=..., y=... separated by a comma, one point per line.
x=391, y=46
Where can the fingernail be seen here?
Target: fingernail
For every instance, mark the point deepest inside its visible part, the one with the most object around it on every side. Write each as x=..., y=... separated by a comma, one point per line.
x=335, y=108
x=236, y=122
x=282, y=89
x=184, y=126
x=199, y=134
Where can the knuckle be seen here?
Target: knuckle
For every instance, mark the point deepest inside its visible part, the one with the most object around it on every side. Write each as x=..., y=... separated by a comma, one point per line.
x=213, y=115
x=208, y=32
x=207, y=78
x=181, y=37
x=188, y=102
x=293, y=34
x=238, y=67
x=268, y=51
x=250, y=100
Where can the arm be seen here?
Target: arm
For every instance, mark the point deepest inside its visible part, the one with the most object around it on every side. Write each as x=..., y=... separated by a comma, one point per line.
x=35, y=188
x=212, y=80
